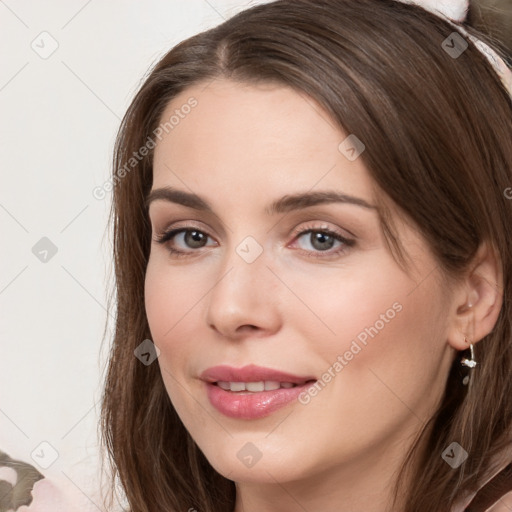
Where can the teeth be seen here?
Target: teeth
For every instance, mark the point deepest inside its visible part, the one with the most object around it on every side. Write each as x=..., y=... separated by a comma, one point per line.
x=254, y=387
x=271, y=384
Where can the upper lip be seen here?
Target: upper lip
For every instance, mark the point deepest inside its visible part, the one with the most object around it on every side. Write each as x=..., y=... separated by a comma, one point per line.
x=250, y=373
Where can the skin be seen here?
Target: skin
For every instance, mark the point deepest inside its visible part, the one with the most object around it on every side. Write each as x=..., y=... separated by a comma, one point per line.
x=242, y=147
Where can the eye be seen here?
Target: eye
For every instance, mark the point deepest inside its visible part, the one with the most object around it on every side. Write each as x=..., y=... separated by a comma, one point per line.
x=190, y=238
x=314, y=241
x=317, y=242
x=320, y=240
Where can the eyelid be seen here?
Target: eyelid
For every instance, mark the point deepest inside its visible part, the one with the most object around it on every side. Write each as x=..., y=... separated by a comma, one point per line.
x=166, y=234
x=204, y=221
x=301, y=230
x=183, y=224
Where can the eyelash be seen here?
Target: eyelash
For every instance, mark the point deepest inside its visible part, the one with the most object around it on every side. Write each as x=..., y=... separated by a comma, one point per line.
x=167, y=236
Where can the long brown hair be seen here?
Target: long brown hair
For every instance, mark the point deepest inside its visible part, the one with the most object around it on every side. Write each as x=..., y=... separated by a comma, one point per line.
x=438, y=136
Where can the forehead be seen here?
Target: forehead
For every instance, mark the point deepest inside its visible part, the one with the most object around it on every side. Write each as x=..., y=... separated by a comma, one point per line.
x=253, y=138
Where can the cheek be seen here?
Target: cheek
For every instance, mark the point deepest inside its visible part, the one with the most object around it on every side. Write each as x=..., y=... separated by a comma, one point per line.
x=174, y=302
x=376, y=337
x=169, y=300
x=166, y=301
x=170, y=296
x=361, y=302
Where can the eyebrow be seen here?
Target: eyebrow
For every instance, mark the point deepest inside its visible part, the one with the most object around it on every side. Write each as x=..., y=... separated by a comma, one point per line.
x=283, y=205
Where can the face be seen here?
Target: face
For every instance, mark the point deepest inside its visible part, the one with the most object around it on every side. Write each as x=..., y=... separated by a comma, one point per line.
x=306, y=288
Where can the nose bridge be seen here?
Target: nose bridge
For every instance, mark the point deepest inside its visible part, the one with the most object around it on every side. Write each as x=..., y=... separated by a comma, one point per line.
x=243, y=273
x=241, y=293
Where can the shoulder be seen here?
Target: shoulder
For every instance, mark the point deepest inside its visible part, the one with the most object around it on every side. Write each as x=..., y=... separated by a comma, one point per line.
x=504, y=504
x=495, y=495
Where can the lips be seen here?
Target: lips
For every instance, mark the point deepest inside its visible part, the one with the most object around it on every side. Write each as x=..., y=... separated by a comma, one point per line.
x=253, y=391
x=251, y=373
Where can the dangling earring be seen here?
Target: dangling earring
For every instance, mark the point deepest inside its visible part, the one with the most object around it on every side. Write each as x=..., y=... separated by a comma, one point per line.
x=469, y=363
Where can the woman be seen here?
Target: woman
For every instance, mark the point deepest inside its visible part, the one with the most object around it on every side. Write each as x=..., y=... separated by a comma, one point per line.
x=313, y=267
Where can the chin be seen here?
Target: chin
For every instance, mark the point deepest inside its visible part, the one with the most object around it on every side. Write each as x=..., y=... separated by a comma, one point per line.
x=241, y=460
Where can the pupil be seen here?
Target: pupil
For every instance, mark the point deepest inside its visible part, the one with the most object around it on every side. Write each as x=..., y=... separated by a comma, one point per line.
x=321, y=241
x=194, y=238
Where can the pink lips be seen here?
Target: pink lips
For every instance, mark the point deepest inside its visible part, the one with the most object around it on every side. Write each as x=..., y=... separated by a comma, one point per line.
x=247, y=404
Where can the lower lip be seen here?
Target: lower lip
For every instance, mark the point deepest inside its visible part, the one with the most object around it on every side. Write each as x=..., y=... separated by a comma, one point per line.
x=249, y=405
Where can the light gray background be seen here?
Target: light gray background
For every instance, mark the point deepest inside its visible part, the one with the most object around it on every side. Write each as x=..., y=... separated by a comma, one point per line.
x=59, y=117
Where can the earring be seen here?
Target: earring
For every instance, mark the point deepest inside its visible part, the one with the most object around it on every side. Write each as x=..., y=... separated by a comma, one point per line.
x=468, y=363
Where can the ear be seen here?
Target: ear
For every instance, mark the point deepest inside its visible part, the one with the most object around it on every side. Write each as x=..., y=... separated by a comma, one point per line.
x=478, y=299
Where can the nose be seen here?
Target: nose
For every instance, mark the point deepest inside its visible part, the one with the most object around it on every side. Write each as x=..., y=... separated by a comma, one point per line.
x=245, y=299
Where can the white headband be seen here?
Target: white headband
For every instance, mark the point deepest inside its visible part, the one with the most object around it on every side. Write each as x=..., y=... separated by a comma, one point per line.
x=455, y=11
